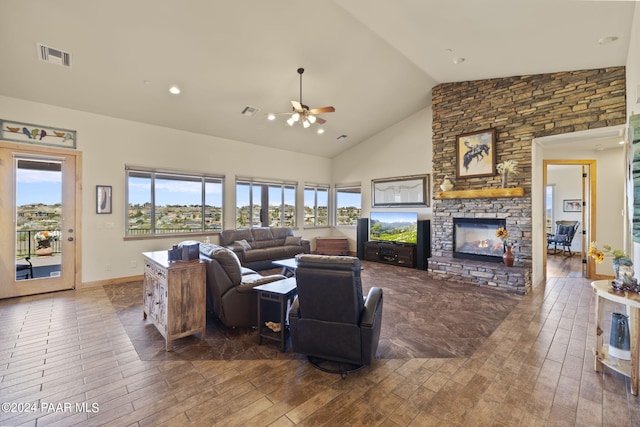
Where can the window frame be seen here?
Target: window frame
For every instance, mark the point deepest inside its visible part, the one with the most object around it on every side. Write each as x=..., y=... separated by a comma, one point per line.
x=265, y=186
x=155, y=174
x=315, y=188
x=337, y=189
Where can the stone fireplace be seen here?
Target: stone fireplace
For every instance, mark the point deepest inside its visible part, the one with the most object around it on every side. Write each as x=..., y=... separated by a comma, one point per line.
x=520, y=109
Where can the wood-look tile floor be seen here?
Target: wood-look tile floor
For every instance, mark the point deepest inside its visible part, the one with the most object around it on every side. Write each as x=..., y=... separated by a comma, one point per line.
x=66, y=359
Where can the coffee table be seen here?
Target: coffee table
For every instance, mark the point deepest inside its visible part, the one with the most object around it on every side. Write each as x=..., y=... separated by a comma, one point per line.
x=288, y=265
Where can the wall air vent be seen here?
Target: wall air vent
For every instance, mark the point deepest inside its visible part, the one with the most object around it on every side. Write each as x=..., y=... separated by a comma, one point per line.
x=54, y=56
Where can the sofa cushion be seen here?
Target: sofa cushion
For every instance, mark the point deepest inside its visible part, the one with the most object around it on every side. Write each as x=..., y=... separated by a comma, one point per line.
x=243, y=244
x=227, y=237
x=229, y=262
x=262, y=238
x=292, y=241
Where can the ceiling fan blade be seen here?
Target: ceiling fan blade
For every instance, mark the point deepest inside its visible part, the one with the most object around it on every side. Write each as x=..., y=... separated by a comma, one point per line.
x=322, y=110
x=320, y=120
x=297, y=106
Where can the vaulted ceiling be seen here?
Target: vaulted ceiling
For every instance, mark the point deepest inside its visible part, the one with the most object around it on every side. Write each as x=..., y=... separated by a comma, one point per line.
x=375, y=61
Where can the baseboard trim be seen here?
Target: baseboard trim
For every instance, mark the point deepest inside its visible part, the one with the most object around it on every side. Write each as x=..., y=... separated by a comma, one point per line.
x=116, y=281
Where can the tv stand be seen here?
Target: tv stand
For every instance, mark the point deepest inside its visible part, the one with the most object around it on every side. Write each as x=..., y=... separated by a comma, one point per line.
x=391, y=253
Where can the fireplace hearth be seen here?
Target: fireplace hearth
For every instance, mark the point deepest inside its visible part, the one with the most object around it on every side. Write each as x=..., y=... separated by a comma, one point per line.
x=475, y=238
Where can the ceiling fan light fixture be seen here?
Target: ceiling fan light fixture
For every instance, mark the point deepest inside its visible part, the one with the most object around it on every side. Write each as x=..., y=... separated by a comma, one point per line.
x=305, y=124
x=290, y=121
x=311, y=118
x=295, y=116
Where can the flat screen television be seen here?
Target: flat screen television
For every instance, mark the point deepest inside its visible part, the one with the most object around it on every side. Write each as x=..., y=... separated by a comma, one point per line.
x=397, y=227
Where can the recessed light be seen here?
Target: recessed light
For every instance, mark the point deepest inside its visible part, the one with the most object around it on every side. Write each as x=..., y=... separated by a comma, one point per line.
x=147, y=82
x=607, y=40
x=174, y=90
x=320, y=131
x=271, y=116
x=458, y=60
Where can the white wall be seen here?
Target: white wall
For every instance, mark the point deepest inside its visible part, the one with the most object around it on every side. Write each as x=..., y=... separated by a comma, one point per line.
x=401, y=150
x=107, y=144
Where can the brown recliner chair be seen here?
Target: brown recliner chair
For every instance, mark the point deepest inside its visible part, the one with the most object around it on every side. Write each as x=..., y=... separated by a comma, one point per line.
x=330, y=321
x=230, y=294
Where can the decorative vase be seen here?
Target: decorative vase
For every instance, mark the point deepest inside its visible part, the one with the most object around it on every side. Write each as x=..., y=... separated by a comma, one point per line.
x=508, y=258
x=446, y=185
x=622, y=267
x=504, y=180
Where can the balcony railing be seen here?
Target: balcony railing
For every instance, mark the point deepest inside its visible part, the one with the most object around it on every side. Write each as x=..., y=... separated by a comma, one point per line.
x=26, y=243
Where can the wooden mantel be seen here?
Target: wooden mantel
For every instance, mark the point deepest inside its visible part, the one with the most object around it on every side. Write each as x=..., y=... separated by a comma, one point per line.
x=480, y=194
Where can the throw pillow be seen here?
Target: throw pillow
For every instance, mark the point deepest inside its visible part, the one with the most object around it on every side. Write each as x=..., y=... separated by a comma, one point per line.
x=243, y=244
x=292, y=241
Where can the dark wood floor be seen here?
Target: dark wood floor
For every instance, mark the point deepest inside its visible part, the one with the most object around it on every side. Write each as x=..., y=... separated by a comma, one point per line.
x=535, y=368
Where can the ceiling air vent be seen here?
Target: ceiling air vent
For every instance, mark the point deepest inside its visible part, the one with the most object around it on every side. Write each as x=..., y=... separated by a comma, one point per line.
x=249, y=111
x=54, y=56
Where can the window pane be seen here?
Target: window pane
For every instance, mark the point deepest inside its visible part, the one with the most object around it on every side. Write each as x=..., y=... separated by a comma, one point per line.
x=309, y=206
x=348, y=205
x=322, y=198
x=275, y=205
x=243, y=205
x=139, y=204
x=178, y=205
x=256, y=206
x=289, y=206
x=213, y=205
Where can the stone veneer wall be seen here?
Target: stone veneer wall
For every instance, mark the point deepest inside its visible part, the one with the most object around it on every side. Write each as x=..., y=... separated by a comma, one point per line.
x=520, y=109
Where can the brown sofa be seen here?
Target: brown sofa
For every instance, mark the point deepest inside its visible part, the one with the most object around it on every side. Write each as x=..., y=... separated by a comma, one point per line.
x=257, y=247
x=230, y=294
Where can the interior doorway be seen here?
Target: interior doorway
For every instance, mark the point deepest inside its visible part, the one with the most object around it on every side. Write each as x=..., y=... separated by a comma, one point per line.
x=569, y=211
x=39, y=219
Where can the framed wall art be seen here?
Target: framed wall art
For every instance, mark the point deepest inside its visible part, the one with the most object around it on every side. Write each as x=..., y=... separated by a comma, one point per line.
x=400, y=191
x=37, y=134
x=476, y=154
x=572, y=205
x=103, y=199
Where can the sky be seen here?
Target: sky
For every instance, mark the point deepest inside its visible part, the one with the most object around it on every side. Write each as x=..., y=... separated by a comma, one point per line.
x=38, y=187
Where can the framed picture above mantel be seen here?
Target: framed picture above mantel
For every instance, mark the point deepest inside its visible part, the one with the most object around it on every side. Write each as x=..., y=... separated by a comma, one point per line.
x=476, y=154
x=400, y=191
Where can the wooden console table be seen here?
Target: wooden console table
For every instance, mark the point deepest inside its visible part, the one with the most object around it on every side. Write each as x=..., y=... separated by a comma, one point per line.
x=332, y=245
x=174, y=296
x=603, y=291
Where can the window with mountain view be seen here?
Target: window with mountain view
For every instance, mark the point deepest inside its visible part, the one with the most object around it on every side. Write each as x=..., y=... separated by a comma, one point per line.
x=348, y=204
x=265, y=204
x=316, y=205
x=167, y=202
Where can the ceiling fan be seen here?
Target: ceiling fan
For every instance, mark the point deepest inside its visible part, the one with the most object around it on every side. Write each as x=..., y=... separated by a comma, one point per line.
x=302, y=114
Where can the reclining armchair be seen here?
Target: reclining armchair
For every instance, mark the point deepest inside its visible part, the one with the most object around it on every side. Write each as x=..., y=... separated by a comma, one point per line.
x=230, y=294
x=563, y=237
x=329, y=320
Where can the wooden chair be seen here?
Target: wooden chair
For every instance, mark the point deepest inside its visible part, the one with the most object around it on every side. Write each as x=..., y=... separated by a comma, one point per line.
x=565, y=230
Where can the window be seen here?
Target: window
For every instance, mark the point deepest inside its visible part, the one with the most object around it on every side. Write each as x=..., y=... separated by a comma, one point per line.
x=348, y=204
x=316, y=205
x=265, y=204
x=161, y=202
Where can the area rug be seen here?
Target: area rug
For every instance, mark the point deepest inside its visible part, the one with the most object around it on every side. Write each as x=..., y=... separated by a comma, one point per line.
x=422, y=318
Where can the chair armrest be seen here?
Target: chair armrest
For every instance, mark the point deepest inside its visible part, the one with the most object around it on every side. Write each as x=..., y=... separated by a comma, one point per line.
x=371, y=306
x=238, y=250
x=306, y=245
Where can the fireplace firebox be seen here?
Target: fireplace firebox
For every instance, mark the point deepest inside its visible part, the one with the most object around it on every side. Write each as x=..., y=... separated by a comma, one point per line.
x=475, y=238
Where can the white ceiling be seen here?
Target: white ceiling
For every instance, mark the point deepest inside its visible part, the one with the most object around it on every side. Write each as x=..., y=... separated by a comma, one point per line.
x=375, y=61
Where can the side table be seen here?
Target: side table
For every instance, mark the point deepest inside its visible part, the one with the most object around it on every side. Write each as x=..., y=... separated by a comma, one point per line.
x=603, y=291
x=279, y=294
